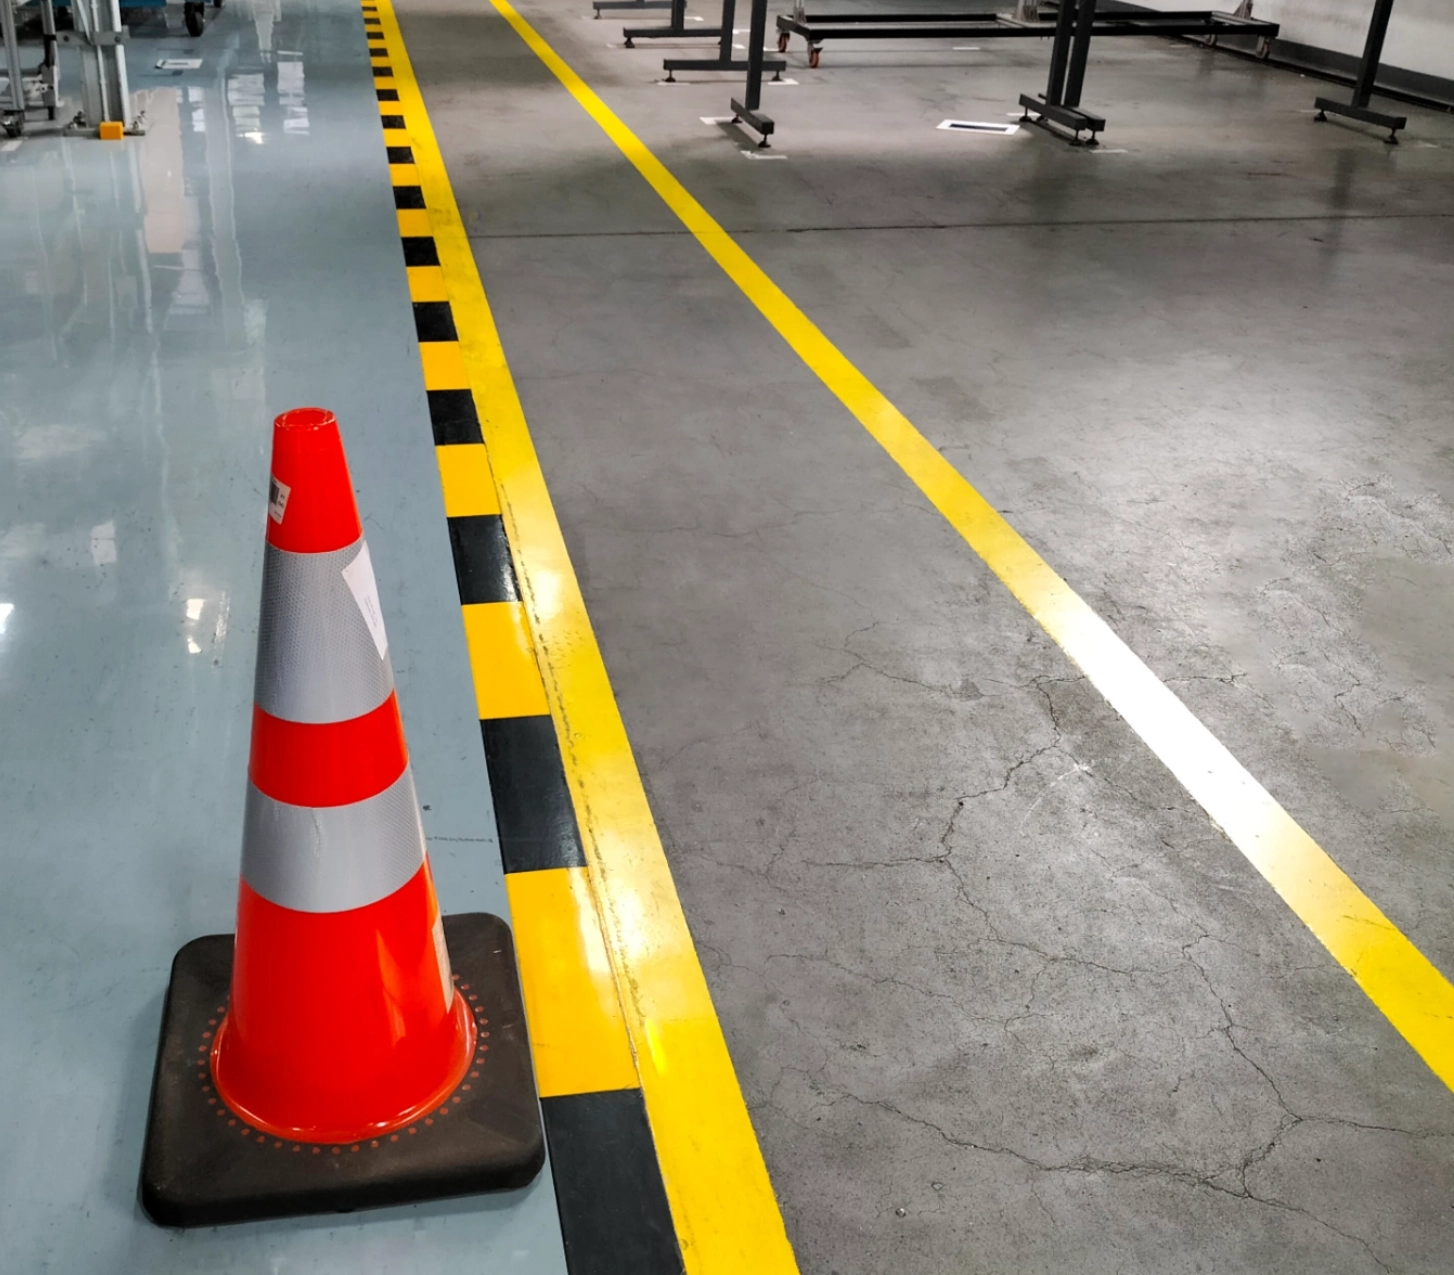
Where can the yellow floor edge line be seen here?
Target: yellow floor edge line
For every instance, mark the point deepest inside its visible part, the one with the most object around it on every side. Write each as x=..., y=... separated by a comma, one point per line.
x=1415, y=997
x=723, y=1207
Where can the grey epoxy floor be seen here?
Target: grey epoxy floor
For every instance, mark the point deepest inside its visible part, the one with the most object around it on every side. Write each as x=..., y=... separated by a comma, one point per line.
x=1000, y=996
x=160, y=300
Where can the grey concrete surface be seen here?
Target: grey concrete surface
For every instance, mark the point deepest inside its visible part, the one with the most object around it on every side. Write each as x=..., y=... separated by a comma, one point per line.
x=1001, y=997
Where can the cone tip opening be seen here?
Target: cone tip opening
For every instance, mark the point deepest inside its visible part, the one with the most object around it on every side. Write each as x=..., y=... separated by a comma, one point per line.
x=306, y=418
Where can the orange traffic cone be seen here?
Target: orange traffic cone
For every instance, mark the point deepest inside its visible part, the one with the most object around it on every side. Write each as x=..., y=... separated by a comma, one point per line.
x=345, y=1031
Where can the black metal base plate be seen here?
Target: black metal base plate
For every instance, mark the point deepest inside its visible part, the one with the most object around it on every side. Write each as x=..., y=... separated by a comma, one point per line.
x=1068, y=117
x=1361, y=113
x=775, y=65
x=755, y=120
x=203, y=1165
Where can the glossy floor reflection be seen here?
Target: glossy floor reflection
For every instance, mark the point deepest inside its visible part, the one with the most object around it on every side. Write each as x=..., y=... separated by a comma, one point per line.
x=163, y=299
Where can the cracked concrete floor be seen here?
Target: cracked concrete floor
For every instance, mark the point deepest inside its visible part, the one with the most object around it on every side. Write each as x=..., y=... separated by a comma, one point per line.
x=1002, y=999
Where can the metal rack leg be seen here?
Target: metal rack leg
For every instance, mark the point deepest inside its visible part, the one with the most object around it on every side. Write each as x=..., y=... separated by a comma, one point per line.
x=747, y=111
x=1085, y=16
x=1060, y=53
x=12, y=110
x=1358, y=108
x=1060, y=103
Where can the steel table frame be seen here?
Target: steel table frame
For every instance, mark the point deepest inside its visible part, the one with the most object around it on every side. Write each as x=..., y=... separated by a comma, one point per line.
x=1076, y=23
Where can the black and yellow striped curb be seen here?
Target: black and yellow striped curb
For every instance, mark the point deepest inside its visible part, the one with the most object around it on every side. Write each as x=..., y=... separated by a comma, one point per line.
x=613, y=1206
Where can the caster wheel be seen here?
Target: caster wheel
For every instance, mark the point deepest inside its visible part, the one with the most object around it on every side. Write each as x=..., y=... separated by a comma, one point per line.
x=194, y=17
x=14, y=130
x=782, y=42
x=813, y=56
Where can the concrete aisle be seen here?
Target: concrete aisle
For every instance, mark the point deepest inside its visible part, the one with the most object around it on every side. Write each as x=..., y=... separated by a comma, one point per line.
x=164, y=298
x=1001, y=997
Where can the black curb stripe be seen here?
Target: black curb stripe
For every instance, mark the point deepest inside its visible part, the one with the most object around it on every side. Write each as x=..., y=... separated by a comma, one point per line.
x=434, y=321
x=533, y=809
x=419, y=250
x=614, y=1215
x=453, y=415
x=383, y=72
x=482, y=559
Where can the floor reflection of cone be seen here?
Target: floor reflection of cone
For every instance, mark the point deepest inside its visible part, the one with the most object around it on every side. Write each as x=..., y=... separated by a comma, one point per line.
x=344, y=1022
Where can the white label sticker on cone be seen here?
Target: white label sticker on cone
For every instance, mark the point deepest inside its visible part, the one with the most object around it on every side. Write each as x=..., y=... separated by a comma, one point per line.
x=359, y=576
x=446, y=975
x=278, y=494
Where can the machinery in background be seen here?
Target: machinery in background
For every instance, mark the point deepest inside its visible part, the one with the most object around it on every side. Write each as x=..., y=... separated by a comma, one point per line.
x=26, y=91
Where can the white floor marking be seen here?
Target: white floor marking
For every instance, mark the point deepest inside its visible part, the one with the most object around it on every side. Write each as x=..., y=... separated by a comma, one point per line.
x=978, y=126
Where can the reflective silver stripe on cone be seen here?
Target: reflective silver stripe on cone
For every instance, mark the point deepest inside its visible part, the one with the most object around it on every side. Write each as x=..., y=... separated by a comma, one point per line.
x=316, y=658
x=332, y=858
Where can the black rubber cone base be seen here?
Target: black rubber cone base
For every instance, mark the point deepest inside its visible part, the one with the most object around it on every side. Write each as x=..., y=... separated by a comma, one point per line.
x=203, y=1165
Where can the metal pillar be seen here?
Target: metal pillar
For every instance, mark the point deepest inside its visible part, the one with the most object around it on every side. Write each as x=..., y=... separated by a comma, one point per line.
x=39, y=87
x=746, y=111
x=105, y=94
x=1060, y=103
x=1363, y=88
x=12, y=107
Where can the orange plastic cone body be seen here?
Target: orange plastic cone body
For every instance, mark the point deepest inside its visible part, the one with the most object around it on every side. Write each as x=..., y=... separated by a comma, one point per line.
x=343, y=1022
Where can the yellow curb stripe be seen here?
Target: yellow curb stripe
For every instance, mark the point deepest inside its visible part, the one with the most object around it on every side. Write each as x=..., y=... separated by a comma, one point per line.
x=464, y=474
x=444, y=365
x=507, y=678
x=414, y=223
x=722, y=1204
x=577, y=1034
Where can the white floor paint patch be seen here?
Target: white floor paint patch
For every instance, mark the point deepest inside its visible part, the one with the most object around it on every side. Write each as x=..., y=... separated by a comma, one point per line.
x=979, y=126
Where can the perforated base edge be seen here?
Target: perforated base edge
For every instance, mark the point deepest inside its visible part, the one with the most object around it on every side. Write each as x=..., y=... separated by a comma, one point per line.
x=203, y=1165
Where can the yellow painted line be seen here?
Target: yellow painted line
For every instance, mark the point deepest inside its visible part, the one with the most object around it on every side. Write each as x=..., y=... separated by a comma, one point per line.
x=389, y=108
x=414, y=223
x=444, y=365
x=426, y=283
x=385, y=82
x=577, y=1035
x=1415, y=997
x=507, y=679
x=396, y=136
x=723, y=1208
x=403, y=175
x=464, y=473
